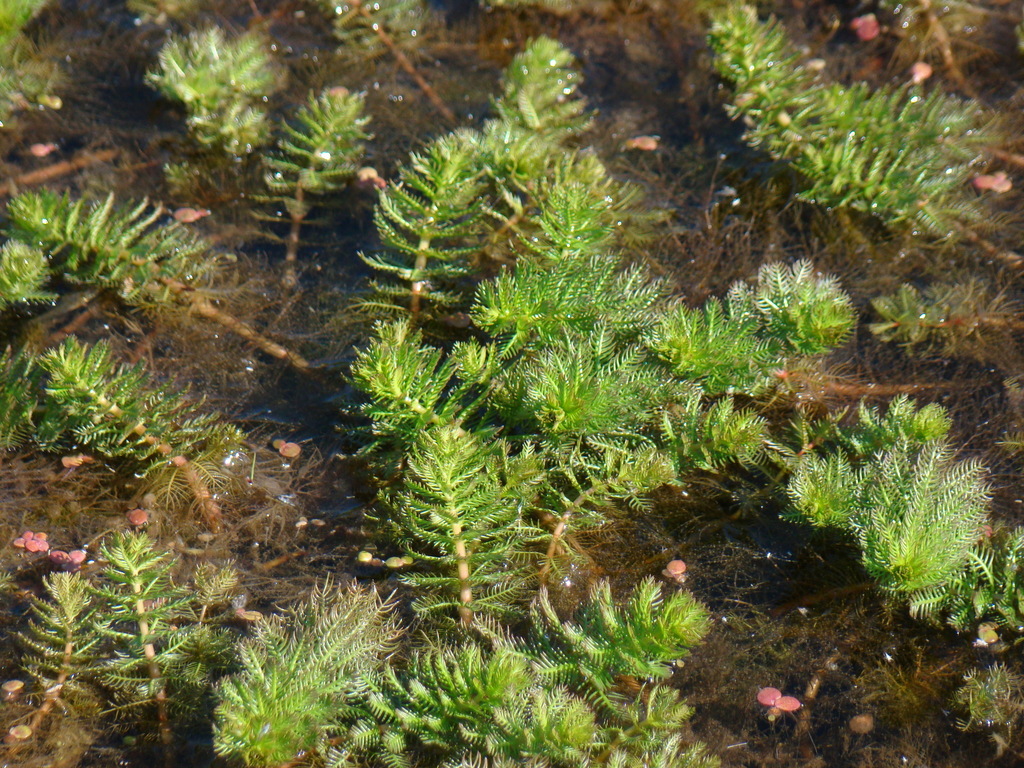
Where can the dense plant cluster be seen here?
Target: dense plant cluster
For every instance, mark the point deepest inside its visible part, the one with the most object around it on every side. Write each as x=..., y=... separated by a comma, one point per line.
x=528, y=386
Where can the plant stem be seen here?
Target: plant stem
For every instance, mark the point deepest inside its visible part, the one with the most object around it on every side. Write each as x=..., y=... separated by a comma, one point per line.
x=57, y=170
x=148, y=649
x=404, y=63
x=559, y=531
x=205, y=308
x=292, y=244
x=419, y=285
x=462, y=569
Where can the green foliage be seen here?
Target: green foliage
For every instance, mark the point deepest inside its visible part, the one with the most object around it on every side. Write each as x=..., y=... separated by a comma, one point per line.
x=991, y=586
x=430, y=223
x=712, y=437
x=745, y=342
x=505, y=187
x=459, y=509
x=77, y=398
x=915, y=512
x=567, y=280
x=945, y=318
x=902, y=423
x=24, y=273
x=991, y=700
x=601, y=421
x=133, y=638
x=300, y=675
x=126, y=249
x=899, y=154
x=221, y=82
x=605, y=642
x=117, y=412
x=540, y=93
x=319, y=152
x=14, y=15
x=62, y=641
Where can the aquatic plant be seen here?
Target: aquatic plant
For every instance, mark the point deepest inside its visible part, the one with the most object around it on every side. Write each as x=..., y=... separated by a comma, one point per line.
x=301, y=675
x=25, y=76
x=317, y=154
x=129, y=251
x=469, y=188
x=992, y=701
x=77, y=398
x=964, y=317
x=222, y=83
x=429, y=223
x=571, y=368
x=132, y=638
x=900, y=154
x=514, y=699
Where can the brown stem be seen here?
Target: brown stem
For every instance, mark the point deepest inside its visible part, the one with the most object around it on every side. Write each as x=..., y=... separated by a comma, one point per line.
x=936, y=30
x=279, y=560
x=404, y=63
x=149, y=650
x=203, y=307
x=74, y=325
x=57, y=170
x=292, y=243
x=819, y=597
x=211, y=509
x=462, y=568
x=559, y=531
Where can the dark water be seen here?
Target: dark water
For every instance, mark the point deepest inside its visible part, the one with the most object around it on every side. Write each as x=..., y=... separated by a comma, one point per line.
x=790, y=608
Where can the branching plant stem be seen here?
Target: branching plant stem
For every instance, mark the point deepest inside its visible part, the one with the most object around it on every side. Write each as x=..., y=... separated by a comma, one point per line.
x=404, y=63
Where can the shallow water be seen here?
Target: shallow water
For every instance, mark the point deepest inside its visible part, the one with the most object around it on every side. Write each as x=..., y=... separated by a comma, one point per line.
x=791, y=608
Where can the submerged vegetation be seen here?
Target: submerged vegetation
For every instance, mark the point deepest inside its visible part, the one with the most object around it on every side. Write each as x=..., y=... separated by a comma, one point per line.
x=678, y=433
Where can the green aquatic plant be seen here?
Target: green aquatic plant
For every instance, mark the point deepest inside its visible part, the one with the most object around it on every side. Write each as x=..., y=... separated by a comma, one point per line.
x=571, y=369
x=222, y=84
x=317, y=154
x=429, y=223
x=467, y=189
x=460, y=510
x=516, y=701
x=301, y=675
x=962, y=318
x=745, y=342
x=314, y=685
x=992, y=701
x=914, y=511
x=902, y=155
x=131, y=641
x=131, y=251
x=24, y=274
x=14, y=15
x=78, y=398
x=604, y=644
x=540, y=93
